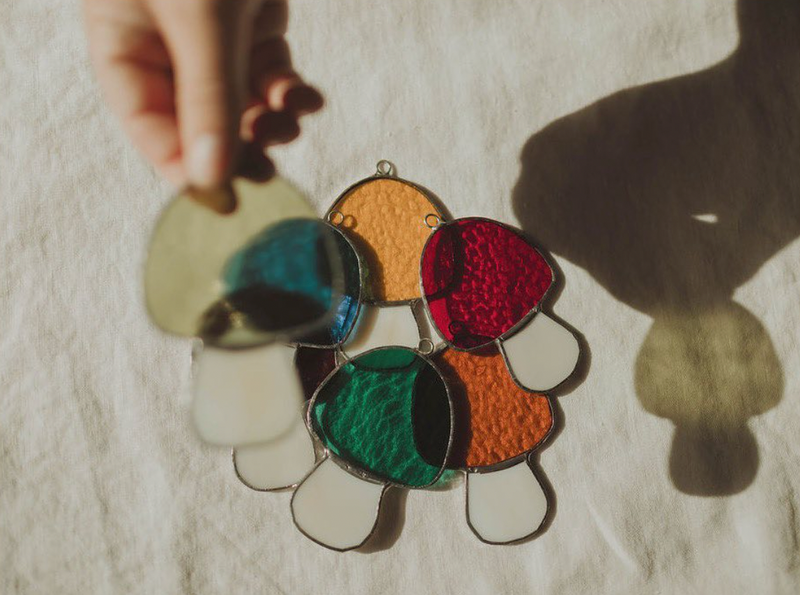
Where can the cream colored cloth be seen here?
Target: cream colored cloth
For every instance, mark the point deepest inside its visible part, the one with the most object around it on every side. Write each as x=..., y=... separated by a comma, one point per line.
x=671, y=210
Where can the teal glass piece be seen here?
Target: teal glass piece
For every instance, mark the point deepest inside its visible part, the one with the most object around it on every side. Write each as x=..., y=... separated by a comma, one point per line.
x=387, y=413
x=203, y=236
x=281, y=279
x=348, y=303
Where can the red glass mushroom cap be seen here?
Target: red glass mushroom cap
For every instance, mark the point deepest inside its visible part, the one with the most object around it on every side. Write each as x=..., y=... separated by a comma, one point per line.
x=481, y=280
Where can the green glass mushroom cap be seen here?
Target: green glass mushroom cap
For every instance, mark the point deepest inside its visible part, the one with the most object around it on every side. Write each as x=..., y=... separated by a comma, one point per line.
x=387, y=414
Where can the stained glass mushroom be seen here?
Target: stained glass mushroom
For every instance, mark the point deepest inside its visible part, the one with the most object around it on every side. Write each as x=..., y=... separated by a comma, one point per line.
x=282, y=461
x=242, y=267
x=483, y=283
x=497, y=426
x=243, y=278
x=385, y=419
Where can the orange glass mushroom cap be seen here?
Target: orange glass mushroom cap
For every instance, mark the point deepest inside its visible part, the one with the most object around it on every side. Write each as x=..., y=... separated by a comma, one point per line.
x=497, y=422
x=388, y=219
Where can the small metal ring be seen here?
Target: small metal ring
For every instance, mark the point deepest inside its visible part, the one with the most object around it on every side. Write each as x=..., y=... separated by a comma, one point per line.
x=428, y=346
x=437, y=220
x=336, y=218
x=384, y=168
x=340, y=356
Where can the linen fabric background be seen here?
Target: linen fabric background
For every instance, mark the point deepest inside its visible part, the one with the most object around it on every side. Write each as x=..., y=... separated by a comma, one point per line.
x=651, y=145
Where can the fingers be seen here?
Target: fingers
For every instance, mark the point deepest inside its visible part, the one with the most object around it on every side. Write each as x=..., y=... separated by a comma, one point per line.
x=273, y=78
x=132, y=67
x=303, y=99
x=254, y=164
x=274, y=128
x=285, y=97
x=179, y=74
x=274, y=81
x=207, y=41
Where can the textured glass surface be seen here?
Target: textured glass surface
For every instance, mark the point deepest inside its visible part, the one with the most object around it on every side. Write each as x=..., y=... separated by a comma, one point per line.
x=346, y=312
x=385, y=219
x=201, y=276
x=280, y=279
x=480, y=279
x=495, y=420
x=386, y=412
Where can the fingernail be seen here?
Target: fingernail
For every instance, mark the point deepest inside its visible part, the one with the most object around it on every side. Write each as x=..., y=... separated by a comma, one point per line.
x=277, y=92
x=204, y=165
x=304, y=100
x=254, y=164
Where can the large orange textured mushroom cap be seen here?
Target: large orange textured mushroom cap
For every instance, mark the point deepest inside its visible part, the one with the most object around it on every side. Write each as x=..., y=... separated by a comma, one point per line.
x=495, y=420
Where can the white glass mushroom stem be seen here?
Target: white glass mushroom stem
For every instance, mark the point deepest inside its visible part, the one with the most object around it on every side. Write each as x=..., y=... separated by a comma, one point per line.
x=335, y=508
x=246, y=396
x=278, y=464
x=381, y=326
x=506, y=505
x=542, y=354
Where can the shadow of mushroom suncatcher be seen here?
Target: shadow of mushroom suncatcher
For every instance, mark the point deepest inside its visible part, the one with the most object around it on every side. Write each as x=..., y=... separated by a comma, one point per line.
x=672, y=195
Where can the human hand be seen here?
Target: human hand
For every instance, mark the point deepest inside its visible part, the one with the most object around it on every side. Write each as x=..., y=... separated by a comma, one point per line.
x=202, y=87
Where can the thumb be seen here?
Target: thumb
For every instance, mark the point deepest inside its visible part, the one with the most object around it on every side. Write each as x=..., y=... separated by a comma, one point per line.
x=207, y=41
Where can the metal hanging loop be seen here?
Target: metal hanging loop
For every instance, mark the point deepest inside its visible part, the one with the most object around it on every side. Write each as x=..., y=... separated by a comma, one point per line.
x=433, y=220
x=336, y=218
x=385, y=168
x=425, y=346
